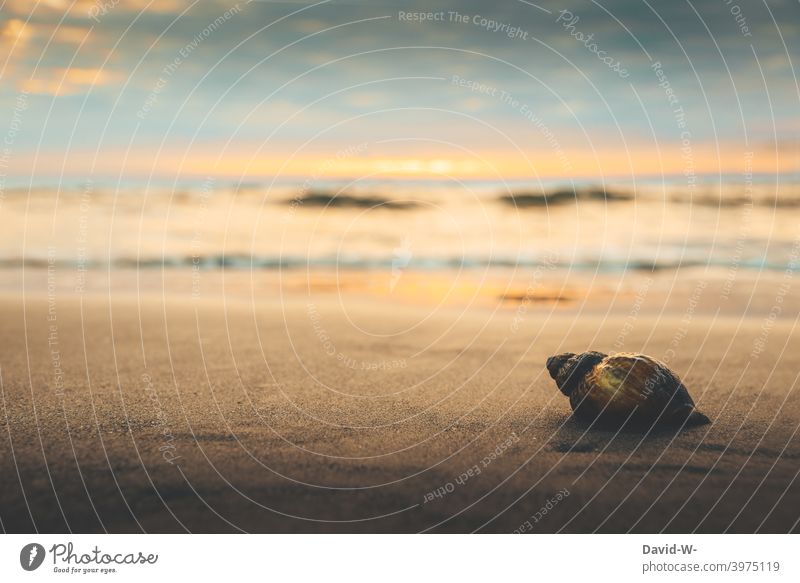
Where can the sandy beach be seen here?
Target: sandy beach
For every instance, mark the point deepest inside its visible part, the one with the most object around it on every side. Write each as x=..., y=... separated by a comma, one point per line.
x=314, y=408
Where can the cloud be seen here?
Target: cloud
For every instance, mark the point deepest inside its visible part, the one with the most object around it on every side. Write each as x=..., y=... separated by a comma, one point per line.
x=87, y=8
x=71, y=81
x=73, y=35
x=27, y=8
x=62, y=51
x=21, y=38
x=13, y=31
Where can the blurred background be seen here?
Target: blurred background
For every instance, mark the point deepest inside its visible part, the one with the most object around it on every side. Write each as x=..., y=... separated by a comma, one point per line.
x=380, y=136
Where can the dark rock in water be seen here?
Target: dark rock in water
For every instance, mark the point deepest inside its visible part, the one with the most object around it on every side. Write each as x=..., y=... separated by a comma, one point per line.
x=623, y=390
x=555, y=197
x=323, y=199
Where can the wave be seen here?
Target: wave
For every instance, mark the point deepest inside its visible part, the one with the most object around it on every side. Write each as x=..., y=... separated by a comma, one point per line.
x=244, y=262
x=736, y=201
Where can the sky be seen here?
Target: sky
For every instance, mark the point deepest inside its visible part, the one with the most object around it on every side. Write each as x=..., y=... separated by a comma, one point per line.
x=178, y=90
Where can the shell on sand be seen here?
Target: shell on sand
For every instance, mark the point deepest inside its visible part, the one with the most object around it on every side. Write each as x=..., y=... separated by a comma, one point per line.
x=623, y=389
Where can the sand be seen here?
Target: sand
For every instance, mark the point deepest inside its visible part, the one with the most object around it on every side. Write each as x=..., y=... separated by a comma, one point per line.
x=334, y=411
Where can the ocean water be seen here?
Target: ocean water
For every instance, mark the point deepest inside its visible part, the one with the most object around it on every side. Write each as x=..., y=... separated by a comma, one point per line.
x=391, y=225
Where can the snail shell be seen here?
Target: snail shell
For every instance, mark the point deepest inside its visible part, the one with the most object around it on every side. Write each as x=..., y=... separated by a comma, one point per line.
x=623, y=389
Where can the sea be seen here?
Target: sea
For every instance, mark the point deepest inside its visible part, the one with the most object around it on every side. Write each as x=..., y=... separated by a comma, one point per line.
x=593, y=225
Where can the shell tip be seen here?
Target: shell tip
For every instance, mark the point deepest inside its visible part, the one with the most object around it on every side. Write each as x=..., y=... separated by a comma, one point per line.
x=555, y=363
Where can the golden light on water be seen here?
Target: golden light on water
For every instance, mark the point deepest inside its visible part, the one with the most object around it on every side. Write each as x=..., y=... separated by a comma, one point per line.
x=602, y=163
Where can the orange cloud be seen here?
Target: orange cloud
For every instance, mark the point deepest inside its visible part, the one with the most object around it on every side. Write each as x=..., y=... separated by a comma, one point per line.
x=68, y=81
x=13, y=30
x=87, y=8
x=18, y=36
x=27, y=8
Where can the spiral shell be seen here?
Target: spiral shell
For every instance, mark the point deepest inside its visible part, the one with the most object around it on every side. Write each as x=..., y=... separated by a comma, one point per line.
x=625, y=389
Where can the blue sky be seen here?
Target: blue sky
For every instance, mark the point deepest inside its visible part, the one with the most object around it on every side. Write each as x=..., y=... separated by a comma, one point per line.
x=281, y=87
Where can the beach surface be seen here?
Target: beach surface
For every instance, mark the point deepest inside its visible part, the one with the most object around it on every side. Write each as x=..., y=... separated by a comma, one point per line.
x=319, y=407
